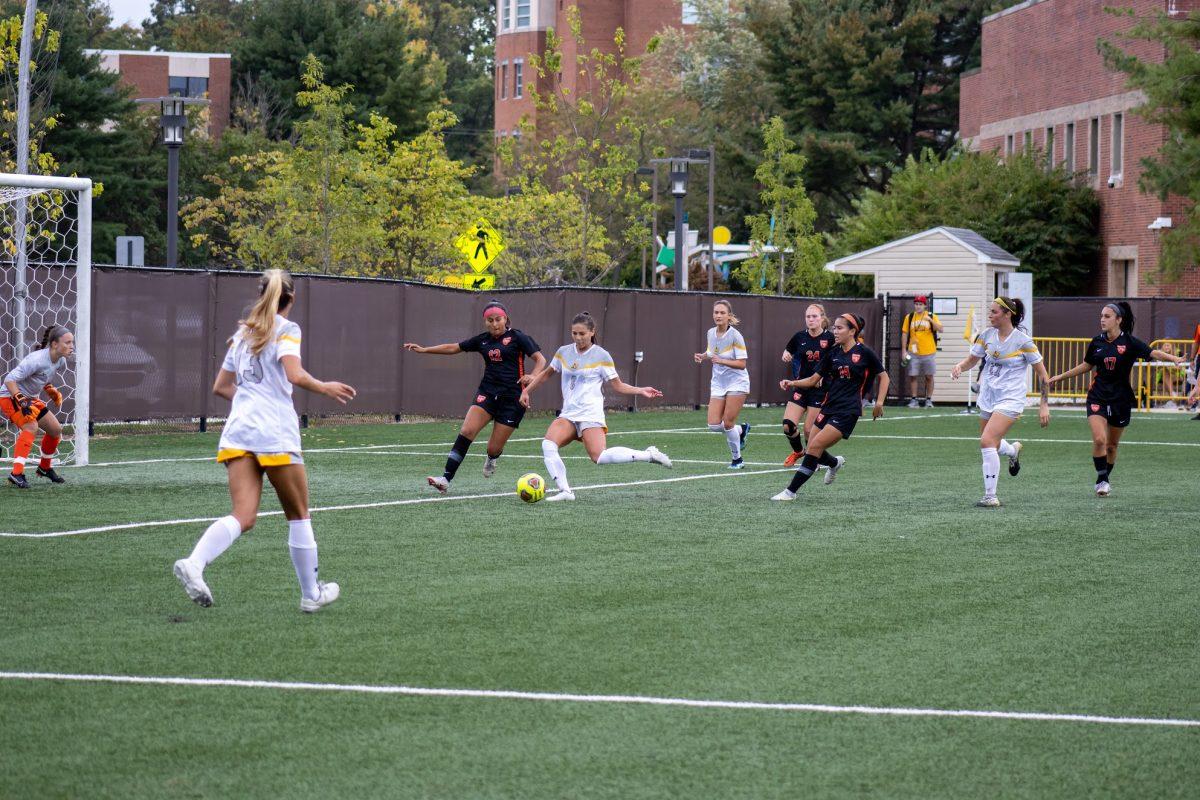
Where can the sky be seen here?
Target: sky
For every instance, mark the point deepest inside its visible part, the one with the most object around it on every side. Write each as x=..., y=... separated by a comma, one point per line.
x=131, y=11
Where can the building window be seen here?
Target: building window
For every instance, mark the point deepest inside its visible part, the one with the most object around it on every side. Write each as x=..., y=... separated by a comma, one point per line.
x=1118, y=146
x=1049, y=143
x=522, y=13
x=1093, y=148
x=506, y=14
x=691, y=16
x=518, y=79
x=1008, y=145
x=1069, y=148
x=503, y=81
x=187, y=87
x=1122, y=278
x=1027, y=145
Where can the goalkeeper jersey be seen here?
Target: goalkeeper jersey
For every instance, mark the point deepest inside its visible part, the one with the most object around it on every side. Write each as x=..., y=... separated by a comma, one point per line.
x=262, y=419
x=32, y=373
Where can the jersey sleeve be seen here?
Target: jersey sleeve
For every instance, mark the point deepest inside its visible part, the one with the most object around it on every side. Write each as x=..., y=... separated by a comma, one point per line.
x=793, y=345
x=607, y=368
x=1141, y=350
x=825, y=368
x=739, y=346
x=1091, y=355
x=558, y=361
x=1029, y=352
x=471, y=345
x=979, y=347
x=873, y=362
x=287, y=341
x=229, y=365
x=904, y=325
x=527, y=344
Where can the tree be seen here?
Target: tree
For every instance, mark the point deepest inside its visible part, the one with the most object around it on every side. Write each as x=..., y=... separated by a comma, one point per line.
x=866, y=83
x=798, y=266
x=205, y=26
x=1045, y=218
x=1172, y=89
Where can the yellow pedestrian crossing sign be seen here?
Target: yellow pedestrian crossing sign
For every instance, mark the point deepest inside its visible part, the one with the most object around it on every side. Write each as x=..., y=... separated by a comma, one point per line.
x=480, y=243
x=475, y=282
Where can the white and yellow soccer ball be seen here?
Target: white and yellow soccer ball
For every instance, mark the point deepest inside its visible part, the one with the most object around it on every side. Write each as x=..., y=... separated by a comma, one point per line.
x=531, y=487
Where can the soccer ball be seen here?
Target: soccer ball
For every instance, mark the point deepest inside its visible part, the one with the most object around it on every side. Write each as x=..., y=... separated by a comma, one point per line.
x=531, y=487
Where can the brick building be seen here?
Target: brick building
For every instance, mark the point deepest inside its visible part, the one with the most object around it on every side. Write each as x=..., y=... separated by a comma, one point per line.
x=1043, y=84
x=161, y=73
x=521, y=27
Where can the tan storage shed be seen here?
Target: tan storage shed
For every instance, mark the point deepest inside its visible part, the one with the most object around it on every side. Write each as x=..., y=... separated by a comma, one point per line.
x=952, y=264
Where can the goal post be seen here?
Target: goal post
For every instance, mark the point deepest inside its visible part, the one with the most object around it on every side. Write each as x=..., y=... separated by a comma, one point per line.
x=46, y=278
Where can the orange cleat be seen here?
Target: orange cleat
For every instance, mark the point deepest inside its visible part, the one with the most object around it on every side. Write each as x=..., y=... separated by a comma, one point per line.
x=792, y=458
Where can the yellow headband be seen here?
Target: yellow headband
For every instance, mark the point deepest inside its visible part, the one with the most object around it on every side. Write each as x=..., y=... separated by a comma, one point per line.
x=1000, y=302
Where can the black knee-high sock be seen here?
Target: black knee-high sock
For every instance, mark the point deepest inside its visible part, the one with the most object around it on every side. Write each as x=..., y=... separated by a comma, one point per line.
x=808, y=465
x=827, y=460
x=1103, y=468
x=797, y=442
x=457, y=453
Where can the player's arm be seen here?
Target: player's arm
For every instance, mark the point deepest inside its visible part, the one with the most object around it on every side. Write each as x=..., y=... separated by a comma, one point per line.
x=966, y=365
x=539, y=364
x=1082, y=368
x=297, y=375
x=20, y=399
x=1043, y=377
x=1161, y=355
x=536, y=380
x=225, y=386
x=803, y=383
x=885, y=383
x=621, y=387
x=448, y=349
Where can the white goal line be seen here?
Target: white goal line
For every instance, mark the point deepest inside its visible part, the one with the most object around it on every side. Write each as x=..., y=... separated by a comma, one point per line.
x=612, y=699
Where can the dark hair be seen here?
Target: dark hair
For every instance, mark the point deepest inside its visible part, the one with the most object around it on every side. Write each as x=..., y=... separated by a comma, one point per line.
x=497, y=304
x=1125, y=312
x=859, y=324
x=53, y=333
x=1015, y=308
x=585, y=319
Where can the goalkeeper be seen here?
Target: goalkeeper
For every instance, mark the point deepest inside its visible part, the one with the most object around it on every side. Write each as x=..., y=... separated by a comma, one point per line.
x=20, y=402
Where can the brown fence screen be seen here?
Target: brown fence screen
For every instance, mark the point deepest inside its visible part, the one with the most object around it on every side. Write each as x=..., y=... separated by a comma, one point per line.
x=1157, y=317
x=159, y=337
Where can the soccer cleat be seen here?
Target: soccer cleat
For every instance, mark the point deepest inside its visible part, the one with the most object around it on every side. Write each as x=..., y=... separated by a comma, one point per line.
x=1014, y=461
x=929, y=404
x=989, y=501
x=914, y=403
x=786, y=496
x=737, y=463
x=192, y=578
x=659, y=457
x=742, y=438
x=18, y=481
x=440, y=483
x=567, y=495
x=51, y=474
x=792, y=458
x=326, y=594
x=833, y=471
x=489, y=467
x=1103, y=488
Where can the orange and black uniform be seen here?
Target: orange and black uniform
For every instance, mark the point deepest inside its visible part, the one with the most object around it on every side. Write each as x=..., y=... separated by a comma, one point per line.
x=1110, y=395
x=807, y=351
x=846, y=375
x=499, y=392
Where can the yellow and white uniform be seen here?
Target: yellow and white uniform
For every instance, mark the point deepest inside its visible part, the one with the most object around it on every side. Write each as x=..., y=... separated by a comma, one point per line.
x=1002, y=383
x=583, y=377
x=727, y=380
x=263, y=421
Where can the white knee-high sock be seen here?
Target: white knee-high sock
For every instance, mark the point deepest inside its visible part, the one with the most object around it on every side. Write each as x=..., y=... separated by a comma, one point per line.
x=991, y=470
x=716, y=427
x=216, y=540
x=1006, y=449
x=734, y=437
x=555, y=465
x=303, y=547
x=622, y=455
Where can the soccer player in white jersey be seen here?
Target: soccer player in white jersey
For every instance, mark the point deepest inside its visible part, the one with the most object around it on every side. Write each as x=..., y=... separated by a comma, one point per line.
x=262, y=437
x=726, y=349
x=21, y=405
x=585, y=367
x=1002, y=389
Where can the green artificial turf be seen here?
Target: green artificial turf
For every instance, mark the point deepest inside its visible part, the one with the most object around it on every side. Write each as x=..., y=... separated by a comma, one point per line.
x=886, y=589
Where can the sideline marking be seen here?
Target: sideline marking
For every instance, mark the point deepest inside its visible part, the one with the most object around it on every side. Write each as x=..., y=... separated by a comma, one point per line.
x=385, y=504
x=500, y=694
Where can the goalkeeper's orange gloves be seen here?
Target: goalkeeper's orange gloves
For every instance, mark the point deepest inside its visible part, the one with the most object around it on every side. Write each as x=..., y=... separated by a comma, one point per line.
x=22, y=402
x=54, y=394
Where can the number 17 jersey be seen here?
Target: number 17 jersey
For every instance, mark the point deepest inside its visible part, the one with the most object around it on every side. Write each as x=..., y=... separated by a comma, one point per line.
x=263, y=419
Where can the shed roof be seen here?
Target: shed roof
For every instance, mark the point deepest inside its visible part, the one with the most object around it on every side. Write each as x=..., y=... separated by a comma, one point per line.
x=986, y=252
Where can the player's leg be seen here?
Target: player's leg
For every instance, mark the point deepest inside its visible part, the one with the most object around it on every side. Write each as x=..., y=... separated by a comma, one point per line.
x=991, y=433
x=913, y=377
x=477, y=417
x=793, y=412
x=245, y=490
x=507, y=419
x=814, y=456
x=52, y=429
x=1098, y=426
x=291, y=486
x=1115, y=433
x=733, y=407
x=595, y=441
x=929, y=387
x=21, y=449
x=560, y=433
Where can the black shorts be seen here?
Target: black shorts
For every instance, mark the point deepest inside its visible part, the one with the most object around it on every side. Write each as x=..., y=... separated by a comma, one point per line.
x=806, y=398
x=1116, y=413
x=505, y=409
x=842, y=422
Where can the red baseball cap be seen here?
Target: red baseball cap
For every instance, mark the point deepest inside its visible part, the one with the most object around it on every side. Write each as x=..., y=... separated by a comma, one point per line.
x=922, y=299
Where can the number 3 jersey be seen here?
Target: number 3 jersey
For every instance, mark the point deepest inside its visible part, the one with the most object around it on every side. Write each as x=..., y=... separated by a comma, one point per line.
x=583, y=378
x=262, y=419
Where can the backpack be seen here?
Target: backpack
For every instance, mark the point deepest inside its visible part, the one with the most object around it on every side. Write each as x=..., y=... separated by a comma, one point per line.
x=908, y=321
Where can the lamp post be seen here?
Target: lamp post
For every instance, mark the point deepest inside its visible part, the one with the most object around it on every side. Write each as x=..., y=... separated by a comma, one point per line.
x=679, y=182
x=173, y=122
x=709, y=157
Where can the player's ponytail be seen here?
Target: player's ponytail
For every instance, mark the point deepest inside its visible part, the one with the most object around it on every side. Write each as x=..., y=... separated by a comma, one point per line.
x=733, y=319
x=1123, y=310
x=275, y=293
x=52, y=334
x=586, y=320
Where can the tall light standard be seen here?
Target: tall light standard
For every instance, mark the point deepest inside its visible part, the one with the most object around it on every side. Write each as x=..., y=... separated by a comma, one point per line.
x=679, y=182
x=709, y=157
x=173, y=121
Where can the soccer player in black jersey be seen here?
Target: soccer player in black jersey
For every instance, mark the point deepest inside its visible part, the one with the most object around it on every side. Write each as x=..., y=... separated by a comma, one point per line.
x=498, y=399
x=846, y=371
x=804, y=352
x=1110, y=398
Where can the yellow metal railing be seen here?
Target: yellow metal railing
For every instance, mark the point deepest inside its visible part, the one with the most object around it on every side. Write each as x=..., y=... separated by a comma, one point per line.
x=1152, y=381
x=1060, y=354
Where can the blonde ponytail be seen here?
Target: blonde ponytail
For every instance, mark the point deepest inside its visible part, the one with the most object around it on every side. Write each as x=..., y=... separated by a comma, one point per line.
x=275, y=291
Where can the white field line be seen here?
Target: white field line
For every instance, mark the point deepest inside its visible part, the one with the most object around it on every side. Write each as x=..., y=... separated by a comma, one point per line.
x=614, y=699
x=385, y=504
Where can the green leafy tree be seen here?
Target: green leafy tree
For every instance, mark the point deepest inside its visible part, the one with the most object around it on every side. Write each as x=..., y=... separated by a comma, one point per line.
x=786, y=222
x=1172, y=89
x=866, y=83
x=1045, y=218
x=204, y=26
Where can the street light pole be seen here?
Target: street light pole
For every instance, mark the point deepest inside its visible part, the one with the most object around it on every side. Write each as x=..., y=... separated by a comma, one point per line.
x=679, y=179
x=172, y=205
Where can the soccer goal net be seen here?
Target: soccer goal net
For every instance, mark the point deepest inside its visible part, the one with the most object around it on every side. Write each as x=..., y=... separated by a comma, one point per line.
x=45, y=279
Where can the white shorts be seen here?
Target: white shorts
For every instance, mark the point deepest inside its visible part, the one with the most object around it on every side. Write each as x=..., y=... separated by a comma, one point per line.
x=580, y=427
x=729, y=384
x=1008, y=406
